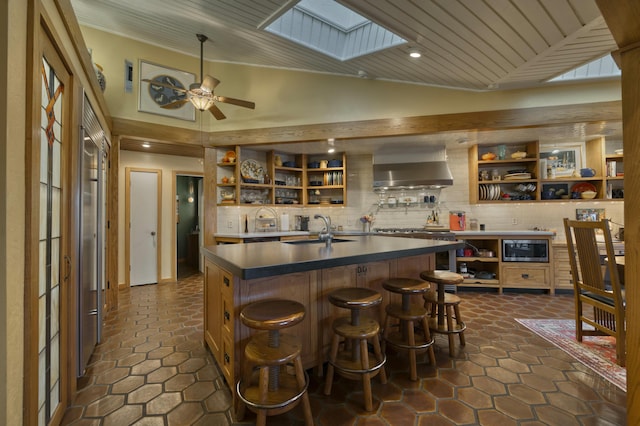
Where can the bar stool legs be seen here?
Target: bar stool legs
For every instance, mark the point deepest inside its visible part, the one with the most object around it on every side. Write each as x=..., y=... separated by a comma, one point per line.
x=408, y=316
x=354, y=361
x=445, y=307
x=265, y=387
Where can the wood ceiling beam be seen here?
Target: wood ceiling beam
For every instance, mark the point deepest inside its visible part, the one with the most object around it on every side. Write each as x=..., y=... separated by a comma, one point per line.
x=167, y=139
x=482, y=120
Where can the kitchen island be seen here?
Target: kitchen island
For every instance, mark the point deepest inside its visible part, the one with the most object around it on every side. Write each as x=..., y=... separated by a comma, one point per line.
x=305, y=271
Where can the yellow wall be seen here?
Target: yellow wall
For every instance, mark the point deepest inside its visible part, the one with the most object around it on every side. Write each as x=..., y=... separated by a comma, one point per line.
x=286, y=98
x=13, y=15
x=168, y=164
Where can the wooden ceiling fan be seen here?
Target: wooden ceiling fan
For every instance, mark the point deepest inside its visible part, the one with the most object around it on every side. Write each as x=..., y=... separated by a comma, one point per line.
x=199, y=94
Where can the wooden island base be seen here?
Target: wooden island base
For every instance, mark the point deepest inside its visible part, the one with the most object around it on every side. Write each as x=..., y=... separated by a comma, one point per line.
x=226, y=292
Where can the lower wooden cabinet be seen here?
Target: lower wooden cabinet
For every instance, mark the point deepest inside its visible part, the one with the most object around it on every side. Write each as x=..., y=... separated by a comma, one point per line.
x=561, y=268
x=526, y=276
x=500, y=274
x=226, y=295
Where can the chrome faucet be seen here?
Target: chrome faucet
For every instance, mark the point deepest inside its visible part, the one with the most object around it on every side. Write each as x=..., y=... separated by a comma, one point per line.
x=325, y=234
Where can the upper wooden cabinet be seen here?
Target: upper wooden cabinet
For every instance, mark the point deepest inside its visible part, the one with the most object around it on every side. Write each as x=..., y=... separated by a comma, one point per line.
x=535, y=171
x=275, y=178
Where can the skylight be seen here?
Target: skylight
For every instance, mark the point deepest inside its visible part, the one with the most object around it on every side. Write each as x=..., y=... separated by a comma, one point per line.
x=332, y=29
x=604, y=67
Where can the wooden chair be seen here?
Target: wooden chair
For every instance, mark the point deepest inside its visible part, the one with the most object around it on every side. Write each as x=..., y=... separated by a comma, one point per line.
x=607, y=300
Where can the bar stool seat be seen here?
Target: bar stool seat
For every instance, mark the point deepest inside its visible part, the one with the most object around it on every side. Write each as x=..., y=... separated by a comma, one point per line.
x=408, y=316
x=354, y=361
x=265, y=388
x=445, y=307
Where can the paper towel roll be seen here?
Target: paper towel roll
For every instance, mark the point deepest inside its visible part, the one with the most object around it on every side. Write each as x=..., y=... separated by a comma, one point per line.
x=284, y=222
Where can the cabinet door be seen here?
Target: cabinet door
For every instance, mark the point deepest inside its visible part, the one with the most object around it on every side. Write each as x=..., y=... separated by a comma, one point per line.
x=332, y=279
x=372, y=275
x=297, y=286
x=212, y=313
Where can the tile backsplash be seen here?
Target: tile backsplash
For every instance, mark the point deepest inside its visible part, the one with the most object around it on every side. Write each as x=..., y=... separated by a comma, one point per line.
x=362, y=200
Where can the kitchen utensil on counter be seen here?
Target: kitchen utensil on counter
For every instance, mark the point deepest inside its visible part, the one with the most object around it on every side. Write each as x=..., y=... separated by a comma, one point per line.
x=302, y=223
x=457, y=220
x=266, y=220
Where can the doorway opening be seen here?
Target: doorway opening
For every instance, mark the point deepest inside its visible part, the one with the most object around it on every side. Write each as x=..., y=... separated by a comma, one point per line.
x=189, y=206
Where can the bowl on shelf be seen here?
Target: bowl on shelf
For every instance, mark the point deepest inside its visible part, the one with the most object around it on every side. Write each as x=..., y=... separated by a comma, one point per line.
x=488, y=156
x=289, y=164
x=588, y=195
x=335, y=163
x=587, y=172
x=313, y=165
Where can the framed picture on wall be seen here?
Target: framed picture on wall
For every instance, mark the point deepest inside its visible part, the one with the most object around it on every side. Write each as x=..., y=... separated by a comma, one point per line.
x=567, y=159
x=590, y=215
x=162, y=100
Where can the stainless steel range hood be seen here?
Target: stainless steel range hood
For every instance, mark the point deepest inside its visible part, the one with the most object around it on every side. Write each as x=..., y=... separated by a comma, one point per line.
x=426, y=168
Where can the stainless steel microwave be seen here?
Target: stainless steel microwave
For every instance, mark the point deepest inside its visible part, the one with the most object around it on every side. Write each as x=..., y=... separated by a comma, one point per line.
x=525, y=250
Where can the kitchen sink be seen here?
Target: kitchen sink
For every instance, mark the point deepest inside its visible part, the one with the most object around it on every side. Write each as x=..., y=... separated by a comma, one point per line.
x=335, y=240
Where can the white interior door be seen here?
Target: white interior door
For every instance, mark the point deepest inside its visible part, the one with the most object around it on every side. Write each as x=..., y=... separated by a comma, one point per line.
x=143, y=251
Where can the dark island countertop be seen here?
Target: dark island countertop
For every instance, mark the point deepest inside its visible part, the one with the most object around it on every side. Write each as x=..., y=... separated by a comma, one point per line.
x=258, y=260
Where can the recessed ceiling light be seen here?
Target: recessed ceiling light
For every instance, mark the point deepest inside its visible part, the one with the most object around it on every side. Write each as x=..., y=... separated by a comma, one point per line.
x=146, y=145
x=414, y=53
x=331, y=150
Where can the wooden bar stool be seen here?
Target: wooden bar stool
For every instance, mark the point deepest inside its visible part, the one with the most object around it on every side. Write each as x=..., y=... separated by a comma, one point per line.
x=445, y=307
x=264, y=387
x=354, y=360
x=408, y=317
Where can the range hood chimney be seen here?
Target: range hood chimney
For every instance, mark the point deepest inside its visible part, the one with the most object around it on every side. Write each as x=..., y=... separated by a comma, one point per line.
x=423, y=167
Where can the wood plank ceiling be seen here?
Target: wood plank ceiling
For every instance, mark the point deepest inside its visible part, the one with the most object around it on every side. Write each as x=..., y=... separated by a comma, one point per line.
x=470, y=44
x=476, y=45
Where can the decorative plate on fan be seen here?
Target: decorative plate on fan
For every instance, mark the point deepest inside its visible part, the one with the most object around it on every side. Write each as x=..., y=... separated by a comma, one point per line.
x=252, y=171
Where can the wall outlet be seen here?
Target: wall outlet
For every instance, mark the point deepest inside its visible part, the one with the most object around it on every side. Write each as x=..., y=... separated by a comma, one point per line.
x=230, y=224
x=514, y=221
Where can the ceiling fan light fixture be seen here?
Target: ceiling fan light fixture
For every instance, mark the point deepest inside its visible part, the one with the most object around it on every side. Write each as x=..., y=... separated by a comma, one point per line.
x=201, y=99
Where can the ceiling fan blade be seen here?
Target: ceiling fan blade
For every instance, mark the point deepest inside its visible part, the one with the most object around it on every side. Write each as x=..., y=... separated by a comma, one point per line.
x=169, y=86
x=209, y=83
x=238, y=102
x=175, y=104
x=216, y=112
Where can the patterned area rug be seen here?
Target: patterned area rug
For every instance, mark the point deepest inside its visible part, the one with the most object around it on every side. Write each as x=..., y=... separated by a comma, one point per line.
x=596, y=352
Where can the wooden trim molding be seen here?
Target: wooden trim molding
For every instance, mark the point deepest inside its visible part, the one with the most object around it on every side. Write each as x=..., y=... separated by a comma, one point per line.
x=622, y=17
x=477, y=120
x=134, y=132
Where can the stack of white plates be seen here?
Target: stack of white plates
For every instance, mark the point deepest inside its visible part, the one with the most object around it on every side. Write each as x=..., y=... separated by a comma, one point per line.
x=490, y=192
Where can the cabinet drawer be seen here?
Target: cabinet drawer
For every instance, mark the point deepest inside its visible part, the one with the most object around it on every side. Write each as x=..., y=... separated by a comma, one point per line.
x=226, y=283
x=227, y=359
x=525, y=276
x=227, y=315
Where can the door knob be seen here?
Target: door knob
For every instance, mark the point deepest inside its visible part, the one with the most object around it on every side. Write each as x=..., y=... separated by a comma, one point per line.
x=153, y=233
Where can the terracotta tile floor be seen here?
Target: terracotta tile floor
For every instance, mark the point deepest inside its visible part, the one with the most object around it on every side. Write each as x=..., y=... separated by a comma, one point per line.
x=152, y=369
